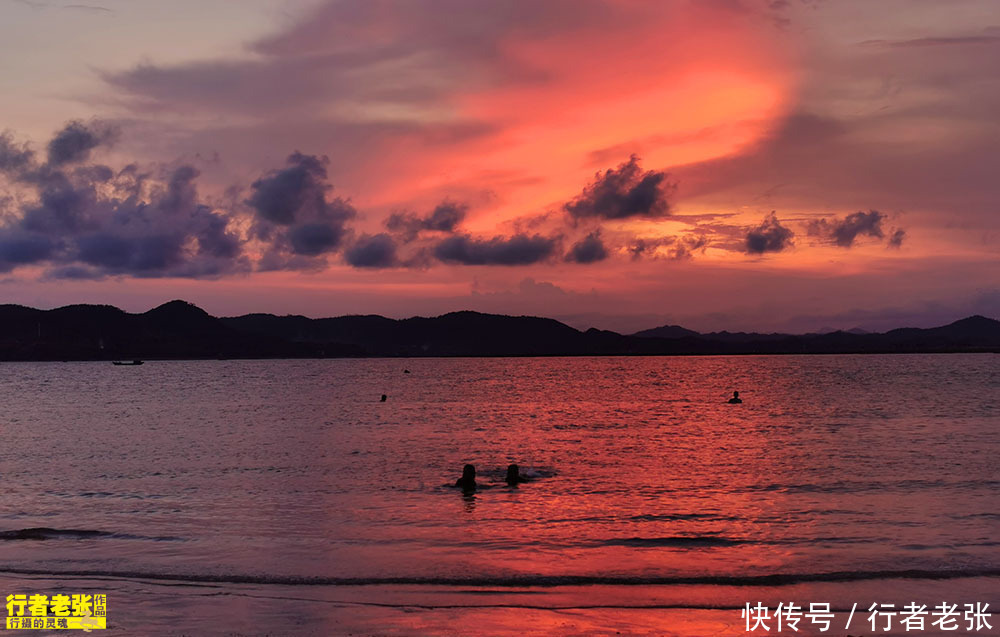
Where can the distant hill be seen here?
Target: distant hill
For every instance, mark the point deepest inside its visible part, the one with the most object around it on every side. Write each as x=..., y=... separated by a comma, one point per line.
x=181, y=330
x=666, y=331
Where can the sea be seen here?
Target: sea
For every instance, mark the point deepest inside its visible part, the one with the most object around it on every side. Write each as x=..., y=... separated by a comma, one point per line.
x=284, y=497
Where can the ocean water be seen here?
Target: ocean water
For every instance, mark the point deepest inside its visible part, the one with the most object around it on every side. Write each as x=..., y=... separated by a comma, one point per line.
x=282, y=497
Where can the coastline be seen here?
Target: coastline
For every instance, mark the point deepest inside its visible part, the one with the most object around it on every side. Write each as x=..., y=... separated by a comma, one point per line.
x=138, y=606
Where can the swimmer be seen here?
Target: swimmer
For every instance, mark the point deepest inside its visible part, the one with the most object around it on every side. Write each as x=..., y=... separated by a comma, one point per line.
x=514, y=476
x=468, y=480
x=384, y=398
x=735, y=400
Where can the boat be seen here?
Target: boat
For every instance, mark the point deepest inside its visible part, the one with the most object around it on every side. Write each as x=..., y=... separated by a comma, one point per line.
x=135, y=362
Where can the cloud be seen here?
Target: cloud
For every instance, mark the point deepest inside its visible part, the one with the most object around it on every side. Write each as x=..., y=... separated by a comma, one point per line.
x=14, y=158
x=519, y=249
x=844, y=232
x=135, y=254
x=623, y=192
x=294, y=211
x=90, y=8
x=685, y=247
x=394, y=62
x=418, y=108
x=896, y=238
x=675, y=248
x=940, y=41
x=295, y=192
x=378, y=251
x=88, y=221
x=22, y=249
x=862, y=129
x=445, y=217
x=39, y=5
x=590, y=249
x=76, y=140
x=66, y=205
x=769, y=236
x=312, y=239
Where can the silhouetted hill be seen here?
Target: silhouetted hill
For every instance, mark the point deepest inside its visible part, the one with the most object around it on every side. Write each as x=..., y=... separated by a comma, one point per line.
x=666, y=331
x=181, y=330
x=454, y=334
x=100, y=332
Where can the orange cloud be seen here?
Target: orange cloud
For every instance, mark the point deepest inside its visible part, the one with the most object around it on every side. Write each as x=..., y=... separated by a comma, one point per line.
x=674, y=83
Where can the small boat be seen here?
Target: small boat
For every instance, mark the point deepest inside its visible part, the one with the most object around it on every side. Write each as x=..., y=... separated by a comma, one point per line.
x=135, y=362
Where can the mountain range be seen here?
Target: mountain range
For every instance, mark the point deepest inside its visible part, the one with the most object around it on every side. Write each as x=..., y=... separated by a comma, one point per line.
x=180, y=330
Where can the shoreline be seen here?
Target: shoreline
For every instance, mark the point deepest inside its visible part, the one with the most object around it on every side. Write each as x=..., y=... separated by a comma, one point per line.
x=509, y=356
x=137, y=606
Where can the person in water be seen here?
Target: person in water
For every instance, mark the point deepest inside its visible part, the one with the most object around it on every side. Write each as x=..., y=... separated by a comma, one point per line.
x=468, y=480
x=735, y=400
x=514, y=476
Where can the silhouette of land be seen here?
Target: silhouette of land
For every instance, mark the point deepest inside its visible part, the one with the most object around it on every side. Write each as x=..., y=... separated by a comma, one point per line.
x=180, y=330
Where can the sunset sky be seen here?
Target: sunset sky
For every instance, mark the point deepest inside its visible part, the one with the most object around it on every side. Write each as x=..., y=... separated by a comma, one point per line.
x=787, y=165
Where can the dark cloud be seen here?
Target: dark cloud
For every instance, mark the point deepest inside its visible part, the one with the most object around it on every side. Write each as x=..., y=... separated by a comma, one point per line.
x=214, y=236
x=14, y=158
x=590, y=249
x=87, y=221
x=181, y=193
x=65, y=206
x=296, y=192
x=675, y=248
x=136, y=255
x=685, y=247
x=623, y=192
x=446, y=217
x=844, y=232
x=23, y=249
x=97, y=174
x=73, y=272
x=517, y=250
x=639, y=247
x=294, y=211
x=312, y=239
x=896, y=238
x=378, y=251
x=76, y=140
x=769, y=236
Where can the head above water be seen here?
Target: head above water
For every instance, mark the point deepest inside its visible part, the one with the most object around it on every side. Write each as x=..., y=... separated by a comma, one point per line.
x=513, y=473
x=736, y=394
x=469, y=472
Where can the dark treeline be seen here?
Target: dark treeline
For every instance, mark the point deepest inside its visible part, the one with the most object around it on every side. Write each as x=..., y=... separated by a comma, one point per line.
x=180, y=330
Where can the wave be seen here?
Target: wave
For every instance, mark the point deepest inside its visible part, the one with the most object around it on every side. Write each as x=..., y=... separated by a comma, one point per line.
x=45, y=533
x=676, y=517
x=850, y=486
x=677, y=541
x=521, y=581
